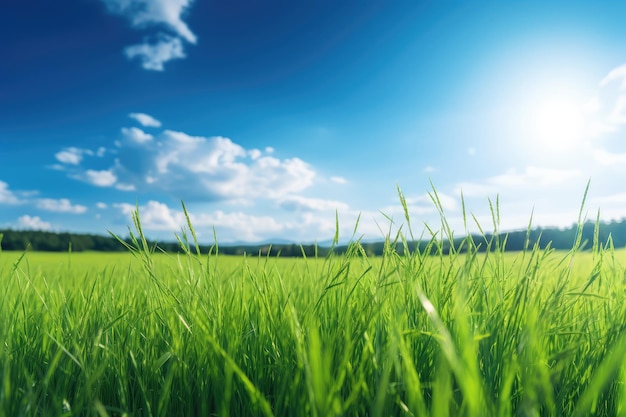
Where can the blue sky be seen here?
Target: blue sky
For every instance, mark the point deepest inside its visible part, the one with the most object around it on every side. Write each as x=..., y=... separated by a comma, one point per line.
x=266, y=118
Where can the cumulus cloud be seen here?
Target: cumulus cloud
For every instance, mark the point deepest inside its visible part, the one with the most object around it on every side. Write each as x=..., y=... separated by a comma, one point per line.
x=145, y=119
x=62, y=205
x=255, y=153
x=163, y=14
x=196, y=168
x=157, y=216
x=71, y=156
x=34, y=223
x=136, y=135
x=75, y=156
x=103, y=178
x=210, y=168
x=6, y=195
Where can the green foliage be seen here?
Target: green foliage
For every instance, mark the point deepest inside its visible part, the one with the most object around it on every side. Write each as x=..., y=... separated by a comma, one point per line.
x=424, y=330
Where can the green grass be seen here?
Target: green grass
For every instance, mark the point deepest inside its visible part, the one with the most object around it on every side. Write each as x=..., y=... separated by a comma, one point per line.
x=146, y=334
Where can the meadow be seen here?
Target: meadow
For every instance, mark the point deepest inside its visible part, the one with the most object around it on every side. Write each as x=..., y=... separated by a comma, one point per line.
x=431, y=333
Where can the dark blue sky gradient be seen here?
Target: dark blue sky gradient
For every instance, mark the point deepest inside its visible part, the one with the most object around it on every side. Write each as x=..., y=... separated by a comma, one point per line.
x=377, y=93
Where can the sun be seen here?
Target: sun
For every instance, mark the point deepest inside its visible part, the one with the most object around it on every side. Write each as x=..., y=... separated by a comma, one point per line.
x=558, y=121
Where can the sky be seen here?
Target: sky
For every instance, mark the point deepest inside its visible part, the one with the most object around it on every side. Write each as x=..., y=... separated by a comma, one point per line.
x=276, y=120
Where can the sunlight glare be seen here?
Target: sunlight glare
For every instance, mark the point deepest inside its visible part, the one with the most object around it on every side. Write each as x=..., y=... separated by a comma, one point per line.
x=559, y=122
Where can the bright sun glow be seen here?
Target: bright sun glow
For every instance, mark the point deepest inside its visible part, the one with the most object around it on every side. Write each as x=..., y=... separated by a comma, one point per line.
x=558, y=122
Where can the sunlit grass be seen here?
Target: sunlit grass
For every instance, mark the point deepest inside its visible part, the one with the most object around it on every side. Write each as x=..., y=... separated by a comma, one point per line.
x=537, y=332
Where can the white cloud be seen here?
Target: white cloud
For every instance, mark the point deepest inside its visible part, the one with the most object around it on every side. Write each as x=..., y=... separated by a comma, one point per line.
x=619, y=198
x=35, y=223
x=607, y=109
x=160, y=48
x=145, y=119
x=62, y=205
x=71, y=156
x=158, y=216
x=218, y=168
x=616, y=75
x=608, y=158
x=103, y=178
x=154, y=55
x=448, y=202
x=155, y=216
x=161, y=13
x=339, y=180
x=6, y=195
x=255, y=153
x=101, y=205
x=196, y=168
x=531, y=177
x=421, y=205
x=136, y=135
x=125, y=187
x=299, y=203
x=74, y=156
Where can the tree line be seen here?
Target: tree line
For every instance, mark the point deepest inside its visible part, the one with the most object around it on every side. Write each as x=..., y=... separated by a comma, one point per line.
x=22, y=240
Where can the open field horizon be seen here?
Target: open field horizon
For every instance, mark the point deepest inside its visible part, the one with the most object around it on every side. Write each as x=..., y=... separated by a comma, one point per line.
x=438, y=128
x=538, y=332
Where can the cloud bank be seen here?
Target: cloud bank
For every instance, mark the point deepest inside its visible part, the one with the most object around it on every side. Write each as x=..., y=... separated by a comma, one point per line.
x=193, y=168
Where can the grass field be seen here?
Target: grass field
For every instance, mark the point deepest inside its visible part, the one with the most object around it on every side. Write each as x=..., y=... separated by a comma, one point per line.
x=462, y=334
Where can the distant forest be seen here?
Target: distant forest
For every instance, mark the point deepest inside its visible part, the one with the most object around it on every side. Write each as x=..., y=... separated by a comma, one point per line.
x=22, y=240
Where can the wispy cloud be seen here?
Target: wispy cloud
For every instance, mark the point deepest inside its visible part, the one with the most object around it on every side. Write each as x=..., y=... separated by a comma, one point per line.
x=159, y=13
x=531, y=177
x=62, y=205
x=154, y=54
x=299, y=203
x=339, y=180
x=145, y=119
x=422, y=204
x=608, y=107
x=162, y=14
x=33, y=222
x=605, y=157
x=618, y=75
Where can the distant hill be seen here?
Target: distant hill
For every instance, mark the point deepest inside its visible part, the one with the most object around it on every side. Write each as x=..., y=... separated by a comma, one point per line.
x=20, y=240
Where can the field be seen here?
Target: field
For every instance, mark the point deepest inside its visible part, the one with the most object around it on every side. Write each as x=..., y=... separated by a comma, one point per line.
x=531, y=333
